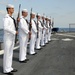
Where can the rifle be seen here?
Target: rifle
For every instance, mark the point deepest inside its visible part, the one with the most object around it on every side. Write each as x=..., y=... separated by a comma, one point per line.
x=50, y=24
x=30, y=25
x=46, y=26
x=43, y=25
x=37, y=26
x=17, y=23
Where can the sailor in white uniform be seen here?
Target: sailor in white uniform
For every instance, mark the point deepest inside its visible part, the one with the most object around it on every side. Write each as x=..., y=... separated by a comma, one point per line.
x=46, y=30
x=43, y=32
x=9, y=39
x=23, y=36
x=49, y=34
x=33, y=36
x=40, y=28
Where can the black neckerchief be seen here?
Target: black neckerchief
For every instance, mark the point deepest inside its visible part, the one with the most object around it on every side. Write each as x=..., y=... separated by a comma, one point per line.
x=14, y=23
x=41, y=24
x=35, y=22
x=26, y=20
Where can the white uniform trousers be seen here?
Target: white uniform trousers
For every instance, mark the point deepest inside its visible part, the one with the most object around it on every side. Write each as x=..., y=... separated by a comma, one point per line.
x=42, y=38
x=8, y=54
x=32, y=44
x=23, y=47
x=38, y=40
x=46, y=36
x=49, y=36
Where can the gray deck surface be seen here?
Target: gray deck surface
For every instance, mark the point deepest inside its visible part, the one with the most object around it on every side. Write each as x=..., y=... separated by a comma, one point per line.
x=56, y=58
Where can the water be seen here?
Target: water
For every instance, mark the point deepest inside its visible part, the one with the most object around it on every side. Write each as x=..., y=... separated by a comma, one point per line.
x=66, y=30
x=60, y=30
x=1, y=35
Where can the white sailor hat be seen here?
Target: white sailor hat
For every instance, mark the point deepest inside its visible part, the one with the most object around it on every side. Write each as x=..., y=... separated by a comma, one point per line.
x=45, y=16
x=24, y=10
x=49, y=18
x=39, y=15
x=42, y=16
x=9, y=6
x=33, y=13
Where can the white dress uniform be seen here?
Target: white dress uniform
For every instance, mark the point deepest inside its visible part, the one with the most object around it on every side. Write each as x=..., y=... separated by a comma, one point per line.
x=9, y=38
x=33, y=38
x=23, y=38
x=46, y=34
x=38, y=40
x=49, y=35
x=43, y=36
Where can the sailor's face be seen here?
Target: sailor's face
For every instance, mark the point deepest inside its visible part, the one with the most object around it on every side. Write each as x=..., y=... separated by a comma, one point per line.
x=42, y=18
x=33, y=16
x=25, y=14
x=39, y=17
x=11, y=10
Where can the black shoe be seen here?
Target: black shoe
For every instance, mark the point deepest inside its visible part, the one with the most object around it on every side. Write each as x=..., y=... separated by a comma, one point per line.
x=9, y=73
x=28, y=53
x=23, y=61
x=44, y=45
x=38, y=49
x=26, y=60
x=47, y=43
x=34, y=54
x=14, y=70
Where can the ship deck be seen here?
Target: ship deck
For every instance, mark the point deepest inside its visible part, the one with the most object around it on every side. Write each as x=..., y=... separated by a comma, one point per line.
x=56, y=58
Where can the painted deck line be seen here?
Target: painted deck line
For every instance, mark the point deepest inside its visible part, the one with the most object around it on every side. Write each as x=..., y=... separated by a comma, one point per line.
x=65, y=35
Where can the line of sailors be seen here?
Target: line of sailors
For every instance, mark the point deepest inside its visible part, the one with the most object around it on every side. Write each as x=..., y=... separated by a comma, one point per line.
x=44, y=36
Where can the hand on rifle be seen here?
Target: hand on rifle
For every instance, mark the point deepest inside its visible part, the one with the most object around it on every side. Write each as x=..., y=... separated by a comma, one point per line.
x=18, y=19
x=43, y=28
x=30, y=34
x=16, y=32
x=37, y=31
x=30, y=23
x=37, y=23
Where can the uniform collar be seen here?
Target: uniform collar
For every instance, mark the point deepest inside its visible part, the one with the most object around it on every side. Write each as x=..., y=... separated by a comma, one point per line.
x=7, y=15
x=23, y=17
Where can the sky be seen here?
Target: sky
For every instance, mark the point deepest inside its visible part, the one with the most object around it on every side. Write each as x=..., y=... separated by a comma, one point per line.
x=63, y=11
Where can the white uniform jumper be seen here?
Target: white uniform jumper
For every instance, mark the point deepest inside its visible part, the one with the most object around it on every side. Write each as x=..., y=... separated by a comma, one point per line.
x=33, y=38
x=9, y=39
x=38, y=40
x=23, y=38
x=43, y=35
